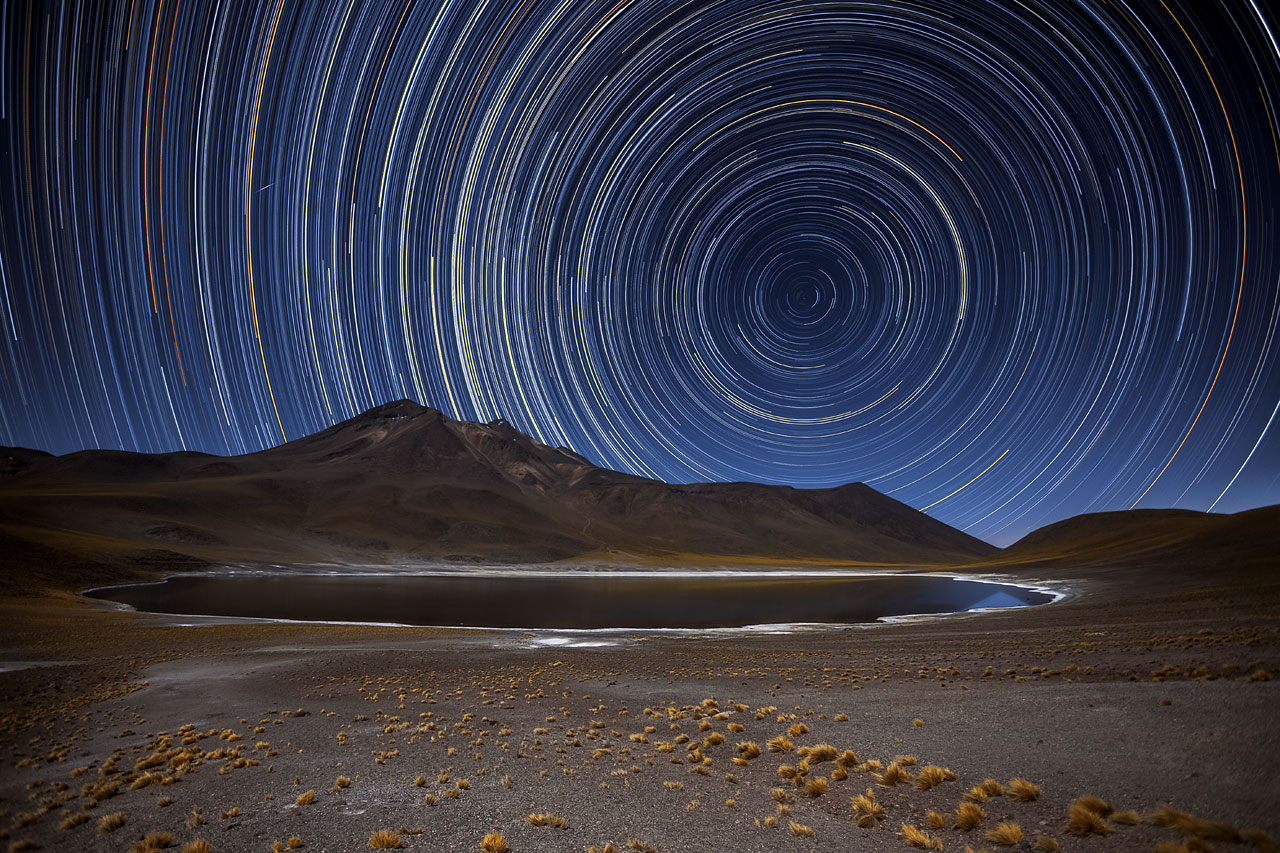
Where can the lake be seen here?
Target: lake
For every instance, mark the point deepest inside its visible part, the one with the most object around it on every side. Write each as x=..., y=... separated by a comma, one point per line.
x=569, y=600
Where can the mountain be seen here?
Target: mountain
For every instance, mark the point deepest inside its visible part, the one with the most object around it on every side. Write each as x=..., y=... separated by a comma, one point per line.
x=1153, y=537
x=402, y=482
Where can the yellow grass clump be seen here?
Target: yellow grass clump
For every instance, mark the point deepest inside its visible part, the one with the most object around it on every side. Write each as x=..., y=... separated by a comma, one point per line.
x=1022, y=790
x=306, y=798
x=494, y=843
x=197, y=846
x=820, y=753
x=816, y=787
x=1045, y=844
x=73, y=820
x=111, y=822
x=1005, y=834
x=385, y=839
x=547, y=819
x=936, y=820
x=893, y=775
x=866, y=810
x=780, y=744
x=800, y=829
x=798, y=729
x=340, y=783
x=969, y=815
x=918, y=838
x=1086, y=816
x=749, y=749
x=932, y=776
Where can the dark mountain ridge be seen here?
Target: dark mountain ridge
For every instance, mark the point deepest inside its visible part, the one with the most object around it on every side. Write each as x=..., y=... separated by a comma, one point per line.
x=402, y=482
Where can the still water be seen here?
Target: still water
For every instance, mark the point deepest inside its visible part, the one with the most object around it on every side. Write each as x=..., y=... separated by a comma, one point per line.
x=569, y=600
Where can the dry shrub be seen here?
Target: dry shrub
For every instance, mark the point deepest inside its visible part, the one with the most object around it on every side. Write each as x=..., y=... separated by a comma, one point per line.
x=1022, y=790
x=306, y=798
x=918, y=838
x=111, y=822
x=1045, y=844
x=820, y=753
x=547, y=819
x=385, y=839
x=893, y=775
x=1005, y=834
x=494, y=843
x=798, y=729
x=969, y=815
x=197, y=846
x=815, y=787
x=73, y=820
x=866, y=810
x=800, y=829
x=932, y=776
x=1084, y=818
x=780, y=744
x=937, y=820
x=749, y=749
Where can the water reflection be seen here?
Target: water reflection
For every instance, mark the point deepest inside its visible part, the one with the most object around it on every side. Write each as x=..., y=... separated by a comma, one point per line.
x=569, y=601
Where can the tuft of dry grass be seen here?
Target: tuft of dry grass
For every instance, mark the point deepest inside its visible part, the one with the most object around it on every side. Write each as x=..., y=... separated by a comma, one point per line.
x=848, y=758
x=749, y=749
x=780, y=744
x=342, y=782
x=893, y=775
x=932, y=776
x=1085, y=816
x=495, y=843
x=385, y=839
x=156, y=841
x=110, y=822
x=306, y=798
x=918, y=723
x=1022, y=790
x=918, y=838
x=1045, y=844
x=1005, y=834
x=800, y=829
x=969, y=815
x=866, y=810
x=1097, y=805
x=547, y=819
x=1126, y=818
x=936, y=820
x=816, y=787
x=820, y=753
x=73, y=820
x=197, y=846
x=294, y=843
x=420, y=782
x=798, y=729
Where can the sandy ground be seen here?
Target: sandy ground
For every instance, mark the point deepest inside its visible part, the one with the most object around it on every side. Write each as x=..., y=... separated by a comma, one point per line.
x=1145, y=690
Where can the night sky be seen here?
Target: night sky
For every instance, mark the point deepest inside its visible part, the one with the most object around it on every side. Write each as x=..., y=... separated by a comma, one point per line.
x=1005, y=261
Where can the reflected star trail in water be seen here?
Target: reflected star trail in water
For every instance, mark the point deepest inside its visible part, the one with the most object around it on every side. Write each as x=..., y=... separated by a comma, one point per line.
x=1008, y=261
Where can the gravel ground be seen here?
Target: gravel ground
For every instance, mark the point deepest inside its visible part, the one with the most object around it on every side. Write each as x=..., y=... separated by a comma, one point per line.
x=1147, y=689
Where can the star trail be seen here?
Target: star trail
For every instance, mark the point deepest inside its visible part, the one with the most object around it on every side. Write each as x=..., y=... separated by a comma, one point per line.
x=1009, y=261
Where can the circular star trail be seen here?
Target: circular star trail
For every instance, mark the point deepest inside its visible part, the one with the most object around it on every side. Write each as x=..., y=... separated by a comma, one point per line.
x=1007, y=262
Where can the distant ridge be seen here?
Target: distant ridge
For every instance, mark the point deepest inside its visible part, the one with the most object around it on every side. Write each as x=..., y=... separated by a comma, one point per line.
x=1201, y=541
x=402, y=482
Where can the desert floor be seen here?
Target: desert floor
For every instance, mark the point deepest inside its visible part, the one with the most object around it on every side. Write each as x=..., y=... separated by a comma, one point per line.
x=1146, y=690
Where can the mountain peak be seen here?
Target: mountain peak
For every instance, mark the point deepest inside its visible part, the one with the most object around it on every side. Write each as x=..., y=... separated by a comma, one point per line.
x=395, y=409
